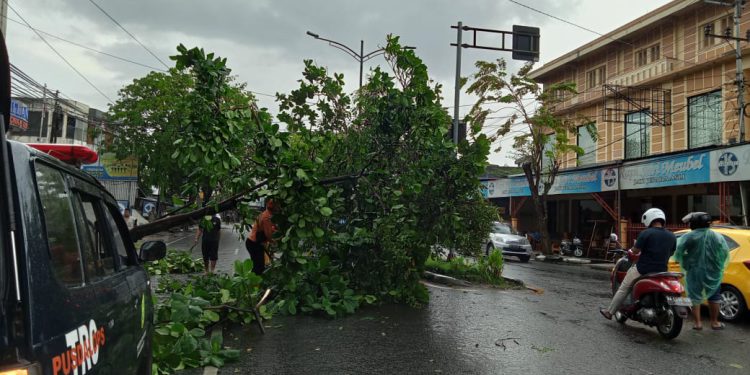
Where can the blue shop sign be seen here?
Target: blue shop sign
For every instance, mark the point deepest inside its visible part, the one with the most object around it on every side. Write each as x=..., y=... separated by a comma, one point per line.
x=693, y=168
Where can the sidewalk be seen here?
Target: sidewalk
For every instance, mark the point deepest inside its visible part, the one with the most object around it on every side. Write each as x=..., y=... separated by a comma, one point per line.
x=596, y=264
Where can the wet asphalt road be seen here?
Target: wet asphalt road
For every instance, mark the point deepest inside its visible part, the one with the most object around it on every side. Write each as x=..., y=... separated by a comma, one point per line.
x=482, y=330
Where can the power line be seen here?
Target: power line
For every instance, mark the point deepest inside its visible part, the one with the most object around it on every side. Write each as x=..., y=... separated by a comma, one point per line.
x=128, y=32
x=85, y=46
x=569, y=22
x=587, y=29
x=60, y=55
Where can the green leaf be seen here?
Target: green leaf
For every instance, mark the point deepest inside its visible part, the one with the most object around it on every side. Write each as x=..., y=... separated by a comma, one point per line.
x=318, y=232
x=197, y=332
x=216, y=340
x=211, y=315
x=301, y=174
x=326, y=211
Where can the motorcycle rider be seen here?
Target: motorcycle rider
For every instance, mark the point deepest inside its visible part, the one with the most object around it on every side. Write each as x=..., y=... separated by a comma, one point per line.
x=655, y=245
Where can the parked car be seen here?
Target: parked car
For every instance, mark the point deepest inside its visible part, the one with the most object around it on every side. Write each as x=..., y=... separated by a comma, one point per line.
x=504, y=238
x=735, y=286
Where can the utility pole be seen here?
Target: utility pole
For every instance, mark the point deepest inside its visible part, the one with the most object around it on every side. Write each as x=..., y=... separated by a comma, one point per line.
x=56, y=119
x=44, y=111
x=740, y=74
x=457, y=90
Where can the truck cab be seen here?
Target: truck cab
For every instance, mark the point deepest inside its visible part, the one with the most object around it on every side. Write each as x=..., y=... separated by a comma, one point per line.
x=74, y=298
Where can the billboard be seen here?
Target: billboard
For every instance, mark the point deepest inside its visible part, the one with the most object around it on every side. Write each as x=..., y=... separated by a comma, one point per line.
x=110, y=168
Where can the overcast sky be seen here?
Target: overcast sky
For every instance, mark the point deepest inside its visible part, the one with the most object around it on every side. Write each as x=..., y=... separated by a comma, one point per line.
x=265, y=41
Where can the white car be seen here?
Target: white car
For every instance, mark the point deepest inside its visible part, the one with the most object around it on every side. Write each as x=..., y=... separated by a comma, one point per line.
x=504, y=238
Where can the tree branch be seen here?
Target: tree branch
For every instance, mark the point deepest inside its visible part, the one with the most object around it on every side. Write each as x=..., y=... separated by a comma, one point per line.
x=172, y=221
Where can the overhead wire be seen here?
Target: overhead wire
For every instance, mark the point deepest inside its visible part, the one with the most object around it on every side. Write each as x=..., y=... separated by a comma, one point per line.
x=129, y=33
x=61, y=56
x=83, y=46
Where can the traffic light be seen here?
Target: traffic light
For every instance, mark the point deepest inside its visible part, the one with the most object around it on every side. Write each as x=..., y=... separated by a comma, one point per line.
x=525, y=43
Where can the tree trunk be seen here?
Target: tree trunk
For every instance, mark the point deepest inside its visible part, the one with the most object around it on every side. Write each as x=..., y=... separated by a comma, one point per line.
x=172, y=221
x=540, y=206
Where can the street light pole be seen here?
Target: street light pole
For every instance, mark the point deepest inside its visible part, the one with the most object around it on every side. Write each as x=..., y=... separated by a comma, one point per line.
x=361, y=57
x=361, y=61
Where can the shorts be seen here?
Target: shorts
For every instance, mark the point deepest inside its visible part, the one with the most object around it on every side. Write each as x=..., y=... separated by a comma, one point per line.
x=716, y=297
x=210, y=251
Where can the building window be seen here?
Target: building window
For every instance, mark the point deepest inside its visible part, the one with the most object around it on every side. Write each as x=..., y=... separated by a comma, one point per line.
x=588, y=144
x=595, y=77
x=647, y=55
x=637, y=134
x=719, y=27
x=548, y=152
x=705, y=125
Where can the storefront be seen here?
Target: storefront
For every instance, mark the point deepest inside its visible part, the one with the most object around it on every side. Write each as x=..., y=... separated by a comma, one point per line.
x=589, y=203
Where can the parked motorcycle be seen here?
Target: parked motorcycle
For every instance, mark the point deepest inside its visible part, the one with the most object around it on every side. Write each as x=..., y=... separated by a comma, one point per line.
x=574, y=247
x=655, y=299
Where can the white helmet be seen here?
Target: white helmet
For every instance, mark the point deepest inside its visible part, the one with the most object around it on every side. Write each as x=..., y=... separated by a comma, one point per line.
x=653, y=214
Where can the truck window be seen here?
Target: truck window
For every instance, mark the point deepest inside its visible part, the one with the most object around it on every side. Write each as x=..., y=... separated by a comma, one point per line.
x=99, y=261
x=117, y=241
x=65, y=257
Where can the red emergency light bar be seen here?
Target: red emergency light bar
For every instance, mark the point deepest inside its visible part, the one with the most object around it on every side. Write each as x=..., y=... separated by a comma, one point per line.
x=71, y=154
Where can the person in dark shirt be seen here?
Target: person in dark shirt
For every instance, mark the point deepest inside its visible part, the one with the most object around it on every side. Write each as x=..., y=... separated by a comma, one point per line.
x=654, y=245
x=210, y=229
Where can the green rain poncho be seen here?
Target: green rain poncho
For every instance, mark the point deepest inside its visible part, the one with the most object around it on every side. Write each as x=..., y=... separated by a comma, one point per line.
x=703, y=255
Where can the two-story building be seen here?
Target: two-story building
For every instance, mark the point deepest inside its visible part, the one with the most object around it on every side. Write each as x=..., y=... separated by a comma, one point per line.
x=663, y=98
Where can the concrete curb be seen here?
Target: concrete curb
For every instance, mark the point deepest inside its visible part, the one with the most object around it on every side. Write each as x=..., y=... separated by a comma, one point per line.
x=445, y=280
x=571, y=260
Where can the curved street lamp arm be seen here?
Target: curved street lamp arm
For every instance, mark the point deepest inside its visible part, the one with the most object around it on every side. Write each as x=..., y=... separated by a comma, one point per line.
x=335, y=43
x=346, y=50
x=374, y=53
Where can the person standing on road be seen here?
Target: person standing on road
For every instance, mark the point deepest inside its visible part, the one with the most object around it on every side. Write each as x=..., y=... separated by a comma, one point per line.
x=703, y=255
x=210, y=230
x=260, y=238
x=654, y=245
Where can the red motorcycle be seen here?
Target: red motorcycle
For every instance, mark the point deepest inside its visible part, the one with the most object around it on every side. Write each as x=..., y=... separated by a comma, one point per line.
x=655, y=299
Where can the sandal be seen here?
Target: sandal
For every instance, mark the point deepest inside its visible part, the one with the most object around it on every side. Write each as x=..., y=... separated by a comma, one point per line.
x=698, y=328
x=606, y=314
x=719, y=327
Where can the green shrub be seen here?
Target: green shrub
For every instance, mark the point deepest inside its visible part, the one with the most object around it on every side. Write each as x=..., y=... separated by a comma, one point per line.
x=485, y=270
x=175, y=261
x=182, y=320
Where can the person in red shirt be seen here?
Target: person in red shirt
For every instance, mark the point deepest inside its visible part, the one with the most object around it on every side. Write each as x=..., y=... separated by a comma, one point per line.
x=260, y=237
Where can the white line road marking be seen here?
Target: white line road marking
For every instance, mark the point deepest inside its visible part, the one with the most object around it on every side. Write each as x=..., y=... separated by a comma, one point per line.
x=236, y=251
x=179, y=239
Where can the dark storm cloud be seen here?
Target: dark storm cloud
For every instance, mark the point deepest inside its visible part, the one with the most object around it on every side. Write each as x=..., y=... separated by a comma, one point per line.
x=281, y=25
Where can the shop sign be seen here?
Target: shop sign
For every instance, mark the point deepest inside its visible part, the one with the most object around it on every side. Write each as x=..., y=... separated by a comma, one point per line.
x=19, y=115
x=610, y=177
x=730, y=164
x=495, y=188
x=519, y=187
x=577, y=182
x=684, y=169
